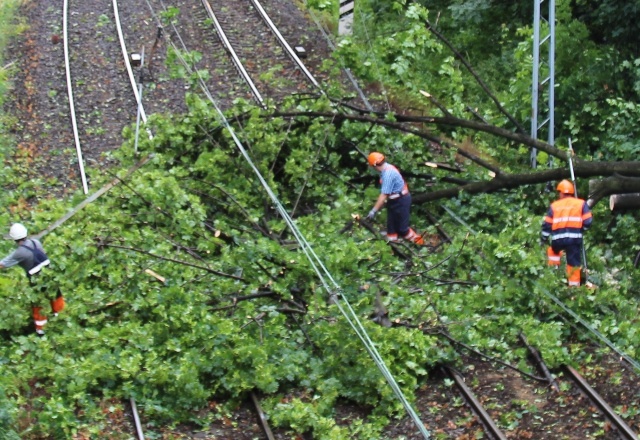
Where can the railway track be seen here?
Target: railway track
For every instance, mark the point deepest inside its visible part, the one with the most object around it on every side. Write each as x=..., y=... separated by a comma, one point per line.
x=96, y=105
x=104, y=102
x=239, y=47
x=269, y=63
x=510, y=406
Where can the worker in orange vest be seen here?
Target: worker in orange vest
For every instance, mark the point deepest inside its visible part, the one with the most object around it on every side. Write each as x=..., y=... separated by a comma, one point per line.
x=30, y=255
x=395, y=194
x=565, y=222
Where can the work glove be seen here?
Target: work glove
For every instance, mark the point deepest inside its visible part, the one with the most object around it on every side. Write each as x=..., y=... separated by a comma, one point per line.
x=371, y=214
x=543, y=242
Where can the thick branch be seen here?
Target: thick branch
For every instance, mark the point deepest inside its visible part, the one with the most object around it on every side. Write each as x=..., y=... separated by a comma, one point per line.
x=598, y=189
x=504, y=181
x=582, y=168
x=450, y=121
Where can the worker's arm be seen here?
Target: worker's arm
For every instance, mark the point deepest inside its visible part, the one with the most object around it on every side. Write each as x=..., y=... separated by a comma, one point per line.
x=382, y=198
x=9, y=261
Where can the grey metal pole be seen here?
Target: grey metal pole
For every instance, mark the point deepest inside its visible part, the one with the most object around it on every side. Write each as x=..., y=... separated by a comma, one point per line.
x=535, y=80
x=575, y=193
x=552, y=73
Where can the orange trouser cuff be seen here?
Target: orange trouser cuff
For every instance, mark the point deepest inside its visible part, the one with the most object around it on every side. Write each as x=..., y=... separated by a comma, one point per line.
x=57, y=304
x=414, y=237
x=38, y=318
x=553, y=259
x=573, y=275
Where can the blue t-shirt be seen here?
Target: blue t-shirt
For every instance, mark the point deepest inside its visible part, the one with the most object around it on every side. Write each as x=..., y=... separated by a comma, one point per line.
x=391, y=180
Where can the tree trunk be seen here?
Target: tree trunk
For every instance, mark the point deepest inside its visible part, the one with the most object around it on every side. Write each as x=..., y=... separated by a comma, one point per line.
x=624, y=202
x=614, y=185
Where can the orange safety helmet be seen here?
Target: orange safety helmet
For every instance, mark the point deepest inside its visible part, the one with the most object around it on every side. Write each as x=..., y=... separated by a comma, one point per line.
x=565, y=187
x=375, y=159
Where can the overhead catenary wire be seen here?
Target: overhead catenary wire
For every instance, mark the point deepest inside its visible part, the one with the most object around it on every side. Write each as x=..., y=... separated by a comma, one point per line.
x=592, y=329
x=330, y=285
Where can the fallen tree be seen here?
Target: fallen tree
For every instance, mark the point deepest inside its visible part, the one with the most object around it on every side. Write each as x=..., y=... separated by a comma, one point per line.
x=621, y=177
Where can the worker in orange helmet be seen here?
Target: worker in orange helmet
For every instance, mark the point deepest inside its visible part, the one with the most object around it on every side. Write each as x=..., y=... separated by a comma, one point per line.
x=30, y=255
x=565, y=222
x=395, y=194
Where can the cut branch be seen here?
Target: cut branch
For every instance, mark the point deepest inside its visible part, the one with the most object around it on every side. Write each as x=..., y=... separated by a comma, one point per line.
x=172, y=260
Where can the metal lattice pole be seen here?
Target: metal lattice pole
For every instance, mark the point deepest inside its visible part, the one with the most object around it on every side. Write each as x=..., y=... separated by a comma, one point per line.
x=538, y=42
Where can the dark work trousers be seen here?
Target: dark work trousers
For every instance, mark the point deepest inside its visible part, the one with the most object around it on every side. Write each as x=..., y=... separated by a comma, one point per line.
x=573, y=252
x=398, y=212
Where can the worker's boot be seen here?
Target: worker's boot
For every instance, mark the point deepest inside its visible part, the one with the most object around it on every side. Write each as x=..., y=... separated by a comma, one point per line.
x=57, y=305
x=414, y=237
x=573, y=275
x=39, y=320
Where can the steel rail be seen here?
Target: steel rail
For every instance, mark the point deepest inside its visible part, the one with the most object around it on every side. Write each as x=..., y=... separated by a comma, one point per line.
x=292, y=54
x=232, y=53
x=136, y=419
x=538, y=358
x=624, y=429
x=262, y=416
x=114, y=182
x=486, y=420
x=127, y=63
x=72, y=110
x=141, y=114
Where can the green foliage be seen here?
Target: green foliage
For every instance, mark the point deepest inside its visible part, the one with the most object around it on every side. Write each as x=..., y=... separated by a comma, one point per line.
x=198, y=184
x=7, y=414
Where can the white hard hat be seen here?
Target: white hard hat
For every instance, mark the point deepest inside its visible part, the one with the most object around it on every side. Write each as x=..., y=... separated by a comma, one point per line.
x=17, y=231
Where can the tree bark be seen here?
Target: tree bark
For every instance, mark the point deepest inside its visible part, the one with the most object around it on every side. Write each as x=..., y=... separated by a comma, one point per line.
x=511, y=181
x=624, y=202
x=611, y=186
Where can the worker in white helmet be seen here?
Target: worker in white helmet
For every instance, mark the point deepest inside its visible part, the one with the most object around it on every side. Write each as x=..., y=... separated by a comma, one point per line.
x=30, y=255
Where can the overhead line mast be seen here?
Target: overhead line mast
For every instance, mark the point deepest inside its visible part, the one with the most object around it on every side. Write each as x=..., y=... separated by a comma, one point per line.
x=548, y=39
